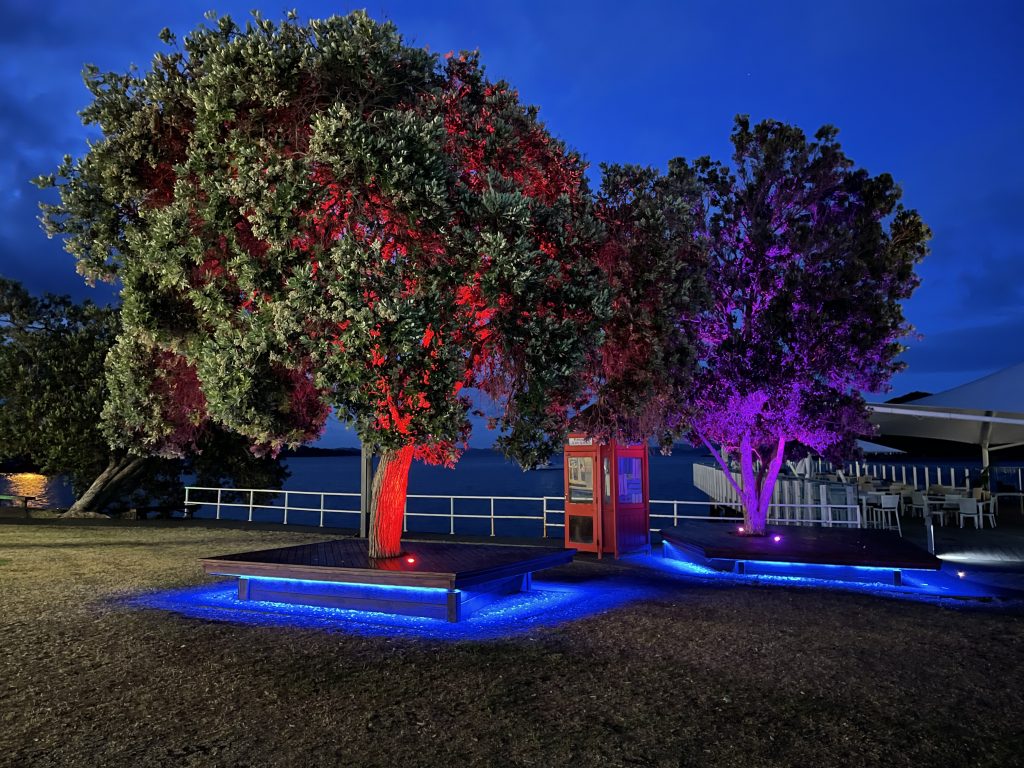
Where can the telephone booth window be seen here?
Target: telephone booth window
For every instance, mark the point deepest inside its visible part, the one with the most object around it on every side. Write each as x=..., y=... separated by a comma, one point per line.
x=581, y=529
x=581, y=479
x=607, y=480
x=630, y=481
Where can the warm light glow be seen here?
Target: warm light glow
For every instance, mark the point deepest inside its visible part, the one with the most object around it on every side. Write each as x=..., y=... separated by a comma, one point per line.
x=26, y=484
x=410, y=559
x=740, y=529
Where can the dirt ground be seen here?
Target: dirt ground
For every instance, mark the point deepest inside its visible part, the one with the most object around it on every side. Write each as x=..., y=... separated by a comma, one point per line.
x=699, y=675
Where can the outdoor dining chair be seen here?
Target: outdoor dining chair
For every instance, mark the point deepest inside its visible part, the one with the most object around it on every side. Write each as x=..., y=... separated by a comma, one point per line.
x=889, y=511
x=988, y=510
x=969, y=510
x=918, y=505
x=941, y=506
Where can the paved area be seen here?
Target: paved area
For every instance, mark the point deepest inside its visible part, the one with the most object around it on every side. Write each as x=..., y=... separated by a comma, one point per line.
x=999, y=547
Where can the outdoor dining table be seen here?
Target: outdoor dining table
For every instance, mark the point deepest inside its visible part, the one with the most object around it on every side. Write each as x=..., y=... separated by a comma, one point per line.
x=864, y=498
x=943, y=505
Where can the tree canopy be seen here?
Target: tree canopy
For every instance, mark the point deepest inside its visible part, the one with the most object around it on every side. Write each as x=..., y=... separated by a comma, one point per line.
x=808, y=259
x=641, y=376
x=53, y=394
x=314, y=216
x=52, y=387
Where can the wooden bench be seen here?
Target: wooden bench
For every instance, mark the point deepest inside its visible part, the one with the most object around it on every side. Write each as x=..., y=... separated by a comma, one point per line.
x=23, y=499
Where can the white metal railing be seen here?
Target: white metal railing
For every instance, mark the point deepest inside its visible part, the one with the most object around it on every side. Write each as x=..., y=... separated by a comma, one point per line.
x=253, y=499
x=923, y=476
x=824, y=514
x=920, y=476
x=547, y=512
x=796, y=501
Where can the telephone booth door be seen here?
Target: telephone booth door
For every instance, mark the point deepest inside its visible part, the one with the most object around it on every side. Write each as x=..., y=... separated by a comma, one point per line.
x=582, y=499
x=632, y=499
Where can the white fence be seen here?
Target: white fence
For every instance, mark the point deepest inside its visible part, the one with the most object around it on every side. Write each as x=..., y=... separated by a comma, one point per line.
x=923, y=476
x=525, y=516
x=919, y=476
x=326, y=507
x=794, y=502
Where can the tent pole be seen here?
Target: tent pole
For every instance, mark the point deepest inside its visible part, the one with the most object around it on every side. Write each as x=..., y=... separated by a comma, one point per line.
x=986, y=438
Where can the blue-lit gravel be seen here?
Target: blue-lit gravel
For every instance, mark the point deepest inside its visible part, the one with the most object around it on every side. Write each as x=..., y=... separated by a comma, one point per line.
x=553, y=602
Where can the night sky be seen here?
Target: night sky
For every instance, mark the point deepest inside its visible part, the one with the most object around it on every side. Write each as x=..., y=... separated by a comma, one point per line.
x=930, y=92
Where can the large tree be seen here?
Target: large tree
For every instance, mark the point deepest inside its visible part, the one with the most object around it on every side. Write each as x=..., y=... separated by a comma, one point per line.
x=808, y=259
x=641, y=375
x=314, y=216
x=53, y=391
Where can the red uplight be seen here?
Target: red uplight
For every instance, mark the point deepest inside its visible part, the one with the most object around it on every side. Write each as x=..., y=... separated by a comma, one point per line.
x=410, y=559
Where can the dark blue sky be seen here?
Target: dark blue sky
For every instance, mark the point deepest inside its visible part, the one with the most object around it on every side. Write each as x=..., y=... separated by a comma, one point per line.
x=929, y=91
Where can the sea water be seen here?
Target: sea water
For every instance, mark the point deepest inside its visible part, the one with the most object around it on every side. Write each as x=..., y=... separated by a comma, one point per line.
x=479, y=473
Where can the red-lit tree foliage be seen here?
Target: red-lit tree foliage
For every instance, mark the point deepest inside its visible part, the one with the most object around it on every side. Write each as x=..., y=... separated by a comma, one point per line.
x=314, y=216
x=808, y=260
x=654, y=273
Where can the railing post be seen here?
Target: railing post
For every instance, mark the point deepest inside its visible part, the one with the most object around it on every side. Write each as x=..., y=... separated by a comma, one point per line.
x=251, y=494
x=675, y=512
x=451, y=516
x=218, y=504
x=285, y=508
x=321, y=510
x=492, y=517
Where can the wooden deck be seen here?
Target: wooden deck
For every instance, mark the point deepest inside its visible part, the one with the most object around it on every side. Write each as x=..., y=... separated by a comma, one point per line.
x=715, y=541
x=454, y=579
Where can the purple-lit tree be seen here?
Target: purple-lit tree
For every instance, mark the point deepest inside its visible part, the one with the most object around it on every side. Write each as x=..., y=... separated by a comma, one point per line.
x=808, y=260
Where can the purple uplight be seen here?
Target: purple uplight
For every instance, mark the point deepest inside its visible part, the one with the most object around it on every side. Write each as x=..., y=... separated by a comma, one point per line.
x=776, y=539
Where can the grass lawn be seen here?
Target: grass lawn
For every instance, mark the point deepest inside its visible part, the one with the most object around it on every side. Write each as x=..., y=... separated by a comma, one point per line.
x=698, y=675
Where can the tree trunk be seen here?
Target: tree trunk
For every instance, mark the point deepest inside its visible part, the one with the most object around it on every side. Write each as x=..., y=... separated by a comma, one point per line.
x=390, y=484
x=118, y=472
x=755, y=485
x=758, y=485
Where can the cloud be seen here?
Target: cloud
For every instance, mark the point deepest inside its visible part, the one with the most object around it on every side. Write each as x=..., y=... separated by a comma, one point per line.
x=981, y=347
x=993, y=284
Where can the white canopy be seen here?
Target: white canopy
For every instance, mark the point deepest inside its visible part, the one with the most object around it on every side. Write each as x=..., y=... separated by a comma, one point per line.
x=987, y=412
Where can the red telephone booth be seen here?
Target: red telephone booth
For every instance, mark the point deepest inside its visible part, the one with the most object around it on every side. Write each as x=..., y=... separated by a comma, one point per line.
x=607, y=502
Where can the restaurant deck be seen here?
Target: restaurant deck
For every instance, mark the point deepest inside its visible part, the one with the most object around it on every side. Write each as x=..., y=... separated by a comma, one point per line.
x=431, y=579
x=720, y=546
